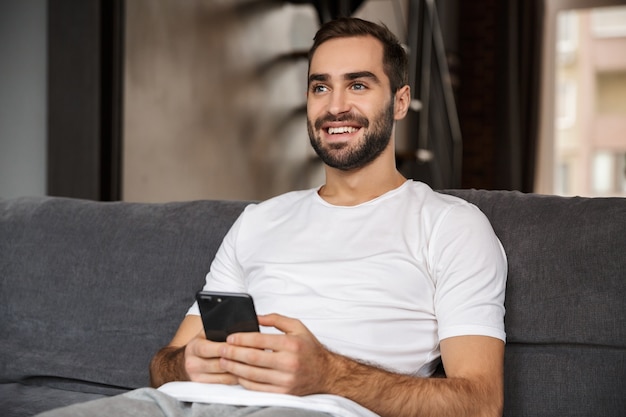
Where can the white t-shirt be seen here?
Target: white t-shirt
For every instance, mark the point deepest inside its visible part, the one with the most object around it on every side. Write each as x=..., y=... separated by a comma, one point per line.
x=383, y=281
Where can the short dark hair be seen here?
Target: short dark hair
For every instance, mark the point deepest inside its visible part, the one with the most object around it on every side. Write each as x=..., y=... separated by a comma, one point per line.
x=395, y=61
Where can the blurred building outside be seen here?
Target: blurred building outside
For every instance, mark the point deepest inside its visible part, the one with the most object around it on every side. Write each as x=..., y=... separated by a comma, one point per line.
x=590, y=103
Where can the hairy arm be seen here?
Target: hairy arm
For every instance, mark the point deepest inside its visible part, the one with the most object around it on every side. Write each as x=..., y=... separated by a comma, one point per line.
x=296, y=363
x=168, y=365
x=473, y=386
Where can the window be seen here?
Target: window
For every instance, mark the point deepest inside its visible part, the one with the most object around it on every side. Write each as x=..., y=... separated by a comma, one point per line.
x=567, y=36
x=583, y=146
x=565, y=104
x=608, y=22
x=609, y=173
x=603, y=167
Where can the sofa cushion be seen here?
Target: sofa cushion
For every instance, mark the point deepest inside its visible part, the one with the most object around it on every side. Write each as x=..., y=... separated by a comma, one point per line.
x=89, y=291
x=25, y=400
x=554, y=380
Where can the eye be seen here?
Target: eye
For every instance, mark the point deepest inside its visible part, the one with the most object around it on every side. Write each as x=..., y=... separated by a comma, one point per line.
x=318, y=88
x=358, y=86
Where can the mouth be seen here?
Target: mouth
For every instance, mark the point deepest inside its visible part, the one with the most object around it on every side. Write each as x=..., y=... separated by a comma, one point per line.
x=340, y=130
x=340, y=134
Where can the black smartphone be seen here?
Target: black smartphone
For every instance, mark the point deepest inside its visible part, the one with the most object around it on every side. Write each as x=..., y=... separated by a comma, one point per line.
x=225, y=313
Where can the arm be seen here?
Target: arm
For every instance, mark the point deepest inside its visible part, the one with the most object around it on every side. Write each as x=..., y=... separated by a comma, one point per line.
x=189, y=357
x=297, y=363
x=473, y=386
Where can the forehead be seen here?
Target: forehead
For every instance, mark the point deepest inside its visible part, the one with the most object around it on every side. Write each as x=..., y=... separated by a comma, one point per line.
x=340, y=56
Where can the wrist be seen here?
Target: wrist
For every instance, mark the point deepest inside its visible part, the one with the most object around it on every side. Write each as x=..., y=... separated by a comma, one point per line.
x=338, y=376
x=167, y=365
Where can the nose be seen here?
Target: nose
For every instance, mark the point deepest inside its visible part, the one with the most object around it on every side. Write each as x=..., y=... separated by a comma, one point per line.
x=338, y=102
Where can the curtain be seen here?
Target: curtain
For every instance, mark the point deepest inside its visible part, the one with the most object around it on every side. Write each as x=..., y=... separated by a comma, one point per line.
x=519, y=63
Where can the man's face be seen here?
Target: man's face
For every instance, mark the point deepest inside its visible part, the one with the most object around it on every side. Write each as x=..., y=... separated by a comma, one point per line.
x=350, y=108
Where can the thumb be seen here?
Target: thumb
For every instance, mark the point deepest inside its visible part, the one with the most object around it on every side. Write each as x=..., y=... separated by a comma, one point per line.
x=285, y=324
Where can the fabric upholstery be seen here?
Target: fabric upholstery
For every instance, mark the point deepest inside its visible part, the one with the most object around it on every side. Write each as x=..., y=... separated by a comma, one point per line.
x=565, y=302
x=18, y=399
x=89, y=291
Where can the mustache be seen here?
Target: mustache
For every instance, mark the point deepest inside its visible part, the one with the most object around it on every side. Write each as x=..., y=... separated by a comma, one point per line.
x=347, y=117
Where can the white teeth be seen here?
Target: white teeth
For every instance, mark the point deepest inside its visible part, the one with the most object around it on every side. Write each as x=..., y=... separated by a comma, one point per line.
x=342, y=129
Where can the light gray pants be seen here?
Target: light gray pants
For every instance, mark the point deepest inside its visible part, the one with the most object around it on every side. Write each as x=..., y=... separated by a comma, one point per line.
x=148, y=402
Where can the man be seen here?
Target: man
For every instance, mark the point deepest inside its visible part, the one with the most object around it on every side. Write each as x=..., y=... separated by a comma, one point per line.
x=361, y=285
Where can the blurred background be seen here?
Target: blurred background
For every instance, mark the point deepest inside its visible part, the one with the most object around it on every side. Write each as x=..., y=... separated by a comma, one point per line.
x=169, y=100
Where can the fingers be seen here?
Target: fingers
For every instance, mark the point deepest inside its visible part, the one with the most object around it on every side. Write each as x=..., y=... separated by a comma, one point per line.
x=279, y=372
x=284, y=324
x=202, y=363
x=224, y=379
x=292, y=363
x=255, y=371
x=286, y=387
x=201, y=348
x=271, y=351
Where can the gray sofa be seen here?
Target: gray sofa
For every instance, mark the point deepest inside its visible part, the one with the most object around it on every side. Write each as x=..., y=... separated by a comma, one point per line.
x=89, y=291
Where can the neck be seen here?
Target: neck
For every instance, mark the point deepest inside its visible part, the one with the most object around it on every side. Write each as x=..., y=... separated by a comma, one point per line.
x=350, y=188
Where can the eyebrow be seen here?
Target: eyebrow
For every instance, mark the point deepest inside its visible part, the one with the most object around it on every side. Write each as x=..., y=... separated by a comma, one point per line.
x=349, y=76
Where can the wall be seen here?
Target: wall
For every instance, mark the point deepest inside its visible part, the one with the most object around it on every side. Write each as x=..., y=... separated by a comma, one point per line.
x=213, y=108
x=215, y=100
x=22, y=98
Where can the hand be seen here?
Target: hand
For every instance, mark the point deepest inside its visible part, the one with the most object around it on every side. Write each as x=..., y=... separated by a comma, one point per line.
x=202, y=362
x=291, y=363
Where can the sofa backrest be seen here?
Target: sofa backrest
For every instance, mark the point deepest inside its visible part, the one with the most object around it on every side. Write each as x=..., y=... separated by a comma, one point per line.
x=565, y=301
x=89, y=291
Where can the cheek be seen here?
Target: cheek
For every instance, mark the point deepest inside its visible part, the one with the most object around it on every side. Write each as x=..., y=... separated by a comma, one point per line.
x=369, y=112
x=312, y=110
x=372, y=108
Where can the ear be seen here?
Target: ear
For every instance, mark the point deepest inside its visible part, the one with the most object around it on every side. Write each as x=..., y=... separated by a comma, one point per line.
x=402, y=101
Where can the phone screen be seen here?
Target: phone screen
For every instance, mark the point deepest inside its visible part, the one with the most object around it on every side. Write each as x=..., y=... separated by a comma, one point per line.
x=226, y=313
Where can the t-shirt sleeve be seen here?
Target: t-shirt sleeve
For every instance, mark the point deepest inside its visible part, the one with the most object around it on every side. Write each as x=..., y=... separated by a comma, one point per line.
x=469, y=268
x=225, y=274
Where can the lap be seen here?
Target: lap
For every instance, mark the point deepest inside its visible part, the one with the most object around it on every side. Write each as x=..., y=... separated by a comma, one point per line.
x=148, y=402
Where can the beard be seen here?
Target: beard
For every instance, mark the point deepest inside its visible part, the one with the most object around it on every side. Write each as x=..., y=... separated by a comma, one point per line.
x=349, y=156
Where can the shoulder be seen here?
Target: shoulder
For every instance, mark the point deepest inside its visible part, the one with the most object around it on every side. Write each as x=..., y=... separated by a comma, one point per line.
x=278, y=207
x=435, y=205
x=448, y=218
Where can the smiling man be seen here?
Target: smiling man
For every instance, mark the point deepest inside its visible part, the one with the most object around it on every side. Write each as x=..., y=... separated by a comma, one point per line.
x=363, y=285
x=352, y=105
x=340, y=104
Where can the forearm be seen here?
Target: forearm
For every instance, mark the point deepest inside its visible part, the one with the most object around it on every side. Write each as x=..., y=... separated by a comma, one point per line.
x=167, y=365
x=392, y=395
